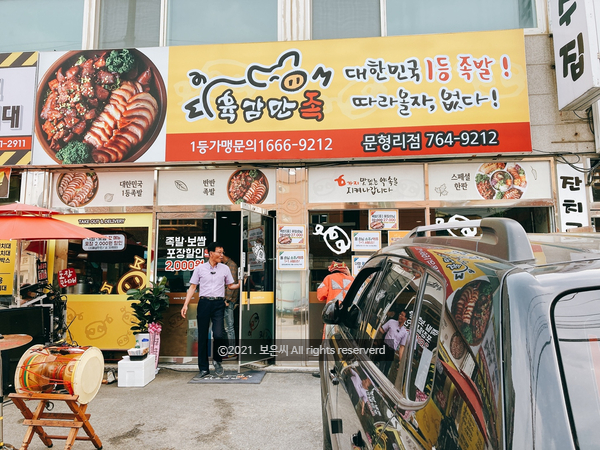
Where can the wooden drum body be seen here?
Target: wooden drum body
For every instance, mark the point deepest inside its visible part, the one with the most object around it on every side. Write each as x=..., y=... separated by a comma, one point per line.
x=44, y=369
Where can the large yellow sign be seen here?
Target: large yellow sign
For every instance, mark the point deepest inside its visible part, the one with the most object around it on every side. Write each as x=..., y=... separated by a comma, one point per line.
x=427, y=94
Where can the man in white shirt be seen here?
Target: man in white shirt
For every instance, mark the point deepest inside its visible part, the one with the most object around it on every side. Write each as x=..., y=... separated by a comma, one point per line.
x=211, y=279
x=395, y=336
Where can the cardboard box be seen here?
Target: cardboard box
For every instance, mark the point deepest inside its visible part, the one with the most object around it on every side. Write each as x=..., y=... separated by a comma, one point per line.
x=136, y=373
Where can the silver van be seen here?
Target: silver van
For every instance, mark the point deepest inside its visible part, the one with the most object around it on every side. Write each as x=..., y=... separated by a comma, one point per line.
x=447, y=342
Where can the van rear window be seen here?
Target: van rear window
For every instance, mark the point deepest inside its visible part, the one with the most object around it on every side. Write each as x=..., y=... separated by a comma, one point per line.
x=577, y=324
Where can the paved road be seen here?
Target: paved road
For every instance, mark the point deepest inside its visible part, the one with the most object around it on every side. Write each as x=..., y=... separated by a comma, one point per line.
x=282, y=412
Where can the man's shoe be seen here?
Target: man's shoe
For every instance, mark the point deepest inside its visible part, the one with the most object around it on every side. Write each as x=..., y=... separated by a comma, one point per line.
x=218, y=369
x=316, y=374
x=203, y=373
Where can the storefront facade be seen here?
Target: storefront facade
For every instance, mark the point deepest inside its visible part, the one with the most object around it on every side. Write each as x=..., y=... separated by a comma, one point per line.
x=290, y=154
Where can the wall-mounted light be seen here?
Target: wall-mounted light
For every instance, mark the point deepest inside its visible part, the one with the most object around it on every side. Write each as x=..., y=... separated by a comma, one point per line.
x=292, y=172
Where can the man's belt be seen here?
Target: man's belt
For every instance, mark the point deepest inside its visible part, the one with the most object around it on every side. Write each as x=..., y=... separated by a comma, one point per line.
x=212, y=299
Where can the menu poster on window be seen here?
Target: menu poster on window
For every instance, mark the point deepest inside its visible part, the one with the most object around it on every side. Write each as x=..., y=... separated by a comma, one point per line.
x=7, y=266
x=184, y=252
x=358, y=261
x=396, y=236
x=110, y=242
x=291, y=259
x=18, y=72
x=291, y=234
x=366, y=241
x=383, y=219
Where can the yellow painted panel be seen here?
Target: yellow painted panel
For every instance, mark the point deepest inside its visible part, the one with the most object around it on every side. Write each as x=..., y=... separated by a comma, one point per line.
x=102, y=323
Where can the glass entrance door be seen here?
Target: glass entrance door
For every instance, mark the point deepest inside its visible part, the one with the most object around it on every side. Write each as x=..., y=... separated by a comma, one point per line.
x=258, y=281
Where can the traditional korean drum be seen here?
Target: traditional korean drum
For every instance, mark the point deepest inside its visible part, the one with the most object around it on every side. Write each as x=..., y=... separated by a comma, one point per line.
x=79, y=370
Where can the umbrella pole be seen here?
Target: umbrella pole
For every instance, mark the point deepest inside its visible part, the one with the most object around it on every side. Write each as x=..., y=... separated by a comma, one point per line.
x=16, y=275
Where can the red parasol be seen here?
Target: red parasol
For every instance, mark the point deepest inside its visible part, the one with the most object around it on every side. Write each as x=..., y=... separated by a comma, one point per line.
x=19, y=221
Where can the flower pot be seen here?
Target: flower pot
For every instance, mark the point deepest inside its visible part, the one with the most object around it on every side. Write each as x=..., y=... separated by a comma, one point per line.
x=142, y=340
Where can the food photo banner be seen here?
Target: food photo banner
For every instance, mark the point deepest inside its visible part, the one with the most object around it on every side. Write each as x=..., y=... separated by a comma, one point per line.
x=87, y=188
x=460, y=93
x=216, y=187
x=101, y=106
x=497, y=180
x=17, y=98
x=407, y=95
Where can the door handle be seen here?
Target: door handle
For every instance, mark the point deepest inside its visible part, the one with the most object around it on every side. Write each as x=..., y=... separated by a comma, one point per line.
x=333, y=377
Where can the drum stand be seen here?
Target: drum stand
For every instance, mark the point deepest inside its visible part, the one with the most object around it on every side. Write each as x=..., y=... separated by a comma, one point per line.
x=8, y=342
x=38, y=419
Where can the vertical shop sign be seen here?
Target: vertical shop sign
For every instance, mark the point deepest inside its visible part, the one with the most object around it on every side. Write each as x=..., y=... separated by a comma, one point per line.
x=572, y=198
x=574, y=32
x=7, y=266
x=17, y=98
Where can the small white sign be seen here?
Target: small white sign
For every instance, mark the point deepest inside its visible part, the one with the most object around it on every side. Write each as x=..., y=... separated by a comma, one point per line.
x=110, y=242
x=291, y=259
x=366, y=241
x=358, y=261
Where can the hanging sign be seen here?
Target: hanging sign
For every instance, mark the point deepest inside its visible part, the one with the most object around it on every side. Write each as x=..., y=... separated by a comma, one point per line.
x=42, y=271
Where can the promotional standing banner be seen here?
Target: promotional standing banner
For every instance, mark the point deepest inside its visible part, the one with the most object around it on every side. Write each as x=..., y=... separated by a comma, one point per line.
x=460, y=93
x=17, y=98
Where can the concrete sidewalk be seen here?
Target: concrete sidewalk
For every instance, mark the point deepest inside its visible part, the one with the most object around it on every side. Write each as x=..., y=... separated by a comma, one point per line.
x=283, y=411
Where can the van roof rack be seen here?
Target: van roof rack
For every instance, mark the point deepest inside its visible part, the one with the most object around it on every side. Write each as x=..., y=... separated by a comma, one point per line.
x=501, y=238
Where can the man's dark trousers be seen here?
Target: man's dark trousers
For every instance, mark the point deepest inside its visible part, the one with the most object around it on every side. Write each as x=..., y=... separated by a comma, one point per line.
x=210, y=311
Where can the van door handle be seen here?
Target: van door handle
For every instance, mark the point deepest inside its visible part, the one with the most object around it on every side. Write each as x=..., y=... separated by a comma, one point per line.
x=333, y=377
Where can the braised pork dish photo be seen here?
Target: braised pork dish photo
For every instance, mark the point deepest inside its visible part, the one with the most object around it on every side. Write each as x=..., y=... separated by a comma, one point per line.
x=100, y=106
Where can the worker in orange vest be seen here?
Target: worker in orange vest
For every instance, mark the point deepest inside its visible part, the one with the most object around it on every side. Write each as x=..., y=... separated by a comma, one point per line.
x=335, y=285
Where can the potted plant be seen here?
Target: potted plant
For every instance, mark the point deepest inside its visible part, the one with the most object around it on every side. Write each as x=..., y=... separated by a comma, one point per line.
x=149, y=305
